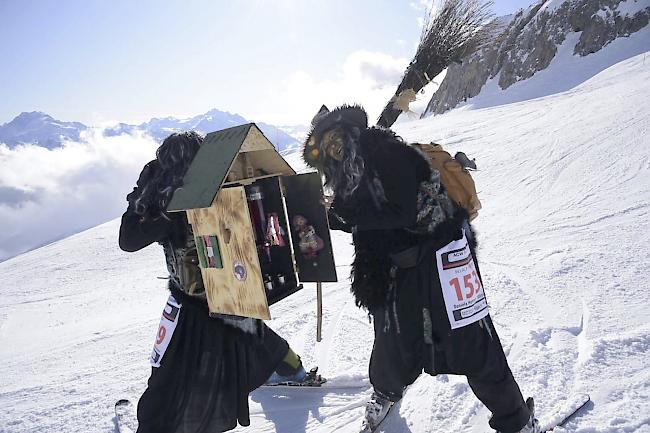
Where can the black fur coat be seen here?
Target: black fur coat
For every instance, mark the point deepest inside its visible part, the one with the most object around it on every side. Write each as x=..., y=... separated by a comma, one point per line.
x=382, y=213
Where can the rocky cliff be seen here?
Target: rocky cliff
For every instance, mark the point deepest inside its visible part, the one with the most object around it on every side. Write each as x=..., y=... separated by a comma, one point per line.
x=529, y=42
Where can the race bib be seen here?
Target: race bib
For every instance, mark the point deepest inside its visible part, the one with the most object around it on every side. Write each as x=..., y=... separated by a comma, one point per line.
x=461, y=287
x=168, y=322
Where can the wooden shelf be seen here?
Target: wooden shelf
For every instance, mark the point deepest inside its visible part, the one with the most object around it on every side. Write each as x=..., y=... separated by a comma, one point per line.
x=249, y=180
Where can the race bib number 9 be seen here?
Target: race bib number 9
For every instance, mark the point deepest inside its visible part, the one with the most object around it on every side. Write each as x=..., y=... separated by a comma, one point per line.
x=168, y=322
x=461, y=287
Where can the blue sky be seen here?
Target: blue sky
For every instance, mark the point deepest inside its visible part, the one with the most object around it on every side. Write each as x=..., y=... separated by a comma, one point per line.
x=274, y=61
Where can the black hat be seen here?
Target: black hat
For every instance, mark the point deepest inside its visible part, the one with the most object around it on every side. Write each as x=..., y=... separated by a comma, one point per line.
x=345, y=116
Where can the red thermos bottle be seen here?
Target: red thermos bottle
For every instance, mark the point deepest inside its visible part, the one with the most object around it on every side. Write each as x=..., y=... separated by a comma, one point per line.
x=256, y=207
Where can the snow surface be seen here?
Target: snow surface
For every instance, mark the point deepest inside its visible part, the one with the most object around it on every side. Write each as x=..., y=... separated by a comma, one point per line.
x=551, y=6
x=631, y=7
x=564, y=235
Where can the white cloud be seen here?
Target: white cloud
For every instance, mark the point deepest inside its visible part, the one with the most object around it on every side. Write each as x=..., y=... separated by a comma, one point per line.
x=47, y=194
x=376, y=70
x=421, y=5
x=366, y=78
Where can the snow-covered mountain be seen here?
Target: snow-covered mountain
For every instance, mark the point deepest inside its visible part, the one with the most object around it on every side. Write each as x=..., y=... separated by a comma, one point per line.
x=41, y=129
x=213, y=120
x=532, y=40
x=298, y=131
x=563, y=237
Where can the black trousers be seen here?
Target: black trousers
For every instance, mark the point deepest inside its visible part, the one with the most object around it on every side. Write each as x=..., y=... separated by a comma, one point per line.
x=400, y=353
x=206, y=374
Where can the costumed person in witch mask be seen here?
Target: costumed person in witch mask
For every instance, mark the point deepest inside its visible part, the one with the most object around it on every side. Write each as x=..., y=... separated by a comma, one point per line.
x=203, y=367
x=414, y=268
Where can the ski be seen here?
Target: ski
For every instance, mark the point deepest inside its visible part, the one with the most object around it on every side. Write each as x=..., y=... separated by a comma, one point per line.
x=316, y=381
x=565, y=412
x=325, y=387
x=125, y=417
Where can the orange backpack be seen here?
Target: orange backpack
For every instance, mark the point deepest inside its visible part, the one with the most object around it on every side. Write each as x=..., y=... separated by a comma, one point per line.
x=454, y=176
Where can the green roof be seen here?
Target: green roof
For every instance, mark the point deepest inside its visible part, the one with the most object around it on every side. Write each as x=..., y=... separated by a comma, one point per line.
x=209, y=168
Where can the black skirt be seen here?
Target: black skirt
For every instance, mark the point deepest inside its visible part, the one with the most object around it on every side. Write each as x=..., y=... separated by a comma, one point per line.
x=206, y=374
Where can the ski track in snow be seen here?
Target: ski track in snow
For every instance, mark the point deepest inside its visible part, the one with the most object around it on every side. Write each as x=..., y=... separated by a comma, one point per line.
x=563, y=249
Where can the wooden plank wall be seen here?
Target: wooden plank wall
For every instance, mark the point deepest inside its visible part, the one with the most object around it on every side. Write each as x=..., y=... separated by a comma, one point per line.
x=229, y=220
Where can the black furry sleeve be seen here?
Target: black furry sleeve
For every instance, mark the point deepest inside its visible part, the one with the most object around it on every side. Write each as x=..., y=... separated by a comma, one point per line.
x=137, y=232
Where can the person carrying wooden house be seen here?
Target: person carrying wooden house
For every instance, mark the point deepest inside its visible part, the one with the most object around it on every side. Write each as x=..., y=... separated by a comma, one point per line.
x=203, y=367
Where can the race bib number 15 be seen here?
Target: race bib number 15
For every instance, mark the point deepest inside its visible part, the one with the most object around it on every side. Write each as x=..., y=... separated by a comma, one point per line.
x=461, y=287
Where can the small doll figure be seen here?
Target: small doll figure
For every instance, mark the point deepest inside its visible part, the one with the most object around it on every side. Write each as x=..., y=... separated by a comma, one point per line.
x=310, y=243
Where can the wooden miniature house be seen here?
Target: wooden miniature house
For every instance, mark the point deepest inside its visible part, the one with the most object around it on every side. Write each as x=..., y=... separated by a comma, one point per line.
x=260, y=229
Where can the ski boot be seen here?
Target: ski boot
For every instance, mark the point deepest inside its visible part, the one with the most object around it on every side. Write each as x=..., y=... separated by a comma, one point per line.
x=300, y=378
x=297, y=377
x=376, y=411
x=532, y=426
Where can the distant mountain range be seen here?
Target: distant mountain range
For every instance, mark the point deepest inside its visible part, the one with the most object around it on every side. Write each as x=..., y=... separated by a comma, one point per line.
x=39, y=128
x=43, y=130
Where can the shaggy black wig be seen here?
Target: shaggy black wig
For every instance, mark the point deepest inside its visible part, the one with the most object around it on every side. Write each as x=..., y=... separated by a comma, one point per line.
x=160, y=178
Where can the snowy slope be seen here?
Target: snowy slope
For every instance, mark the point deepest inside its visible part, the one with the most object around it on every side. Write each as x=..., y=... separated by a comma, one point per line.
x=564, y=235
x=565, y=71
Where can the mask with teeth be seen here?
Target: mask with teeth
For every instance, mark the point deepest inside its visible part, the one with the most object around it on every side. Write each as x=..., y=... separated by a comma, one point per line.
x=331, y=132
x=333, y=143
